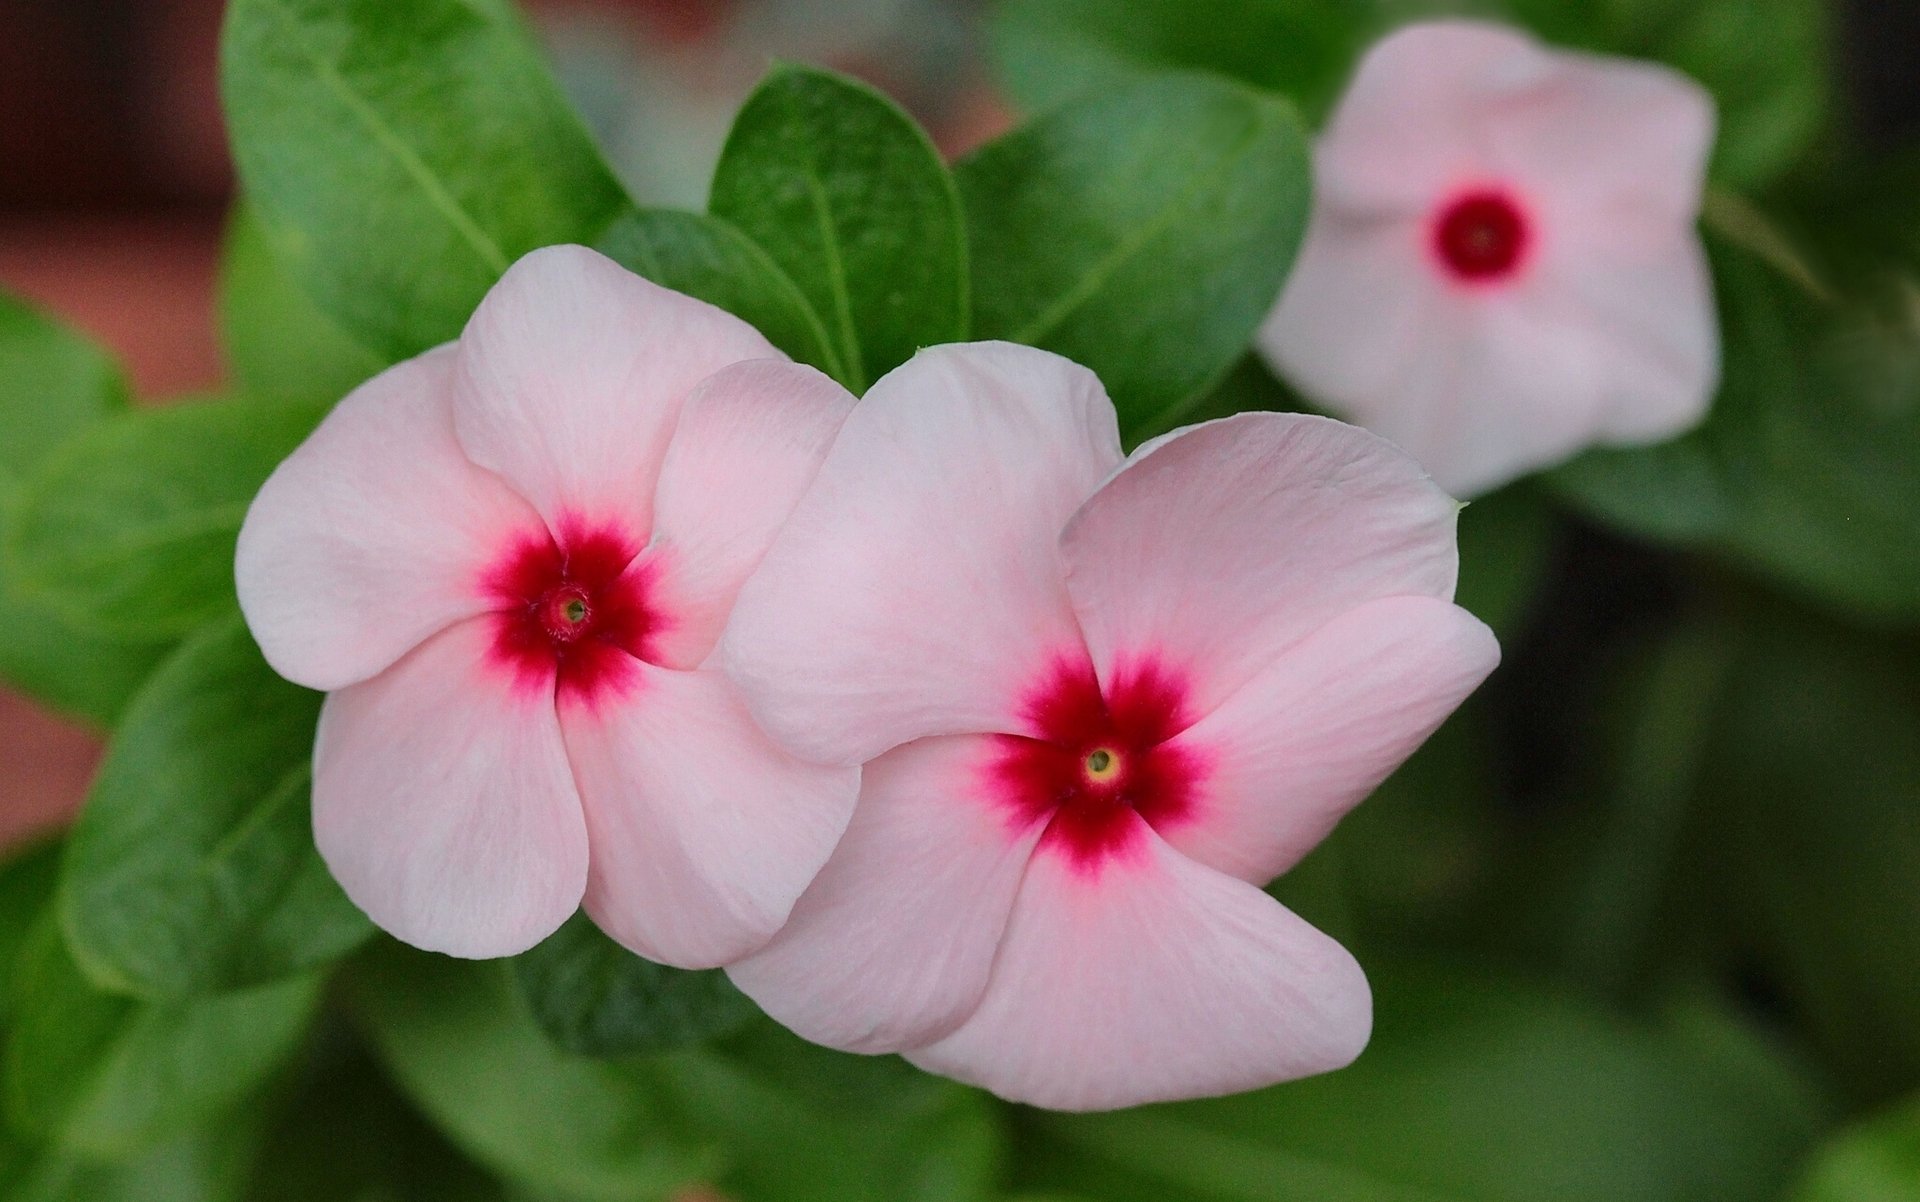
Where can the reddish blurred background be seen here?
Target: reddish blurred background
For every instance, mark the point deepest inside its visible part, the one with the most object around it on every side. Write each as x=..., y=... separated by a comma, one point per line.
x=114, y=181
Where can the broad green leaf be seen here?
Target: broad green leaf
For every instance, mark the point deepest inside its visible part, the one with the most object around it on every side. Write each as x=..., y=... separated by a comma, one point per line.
x=456, y=1041
x=1808, y=467
x=850, y=198
x=1475, y=1089
x=27, y=881
x=592, y=997
x=708, y=258
x=192, y=868
x=277, y=342
x=129, y=529
x=206, y=1165
x=1874, y=1161
x=1143, y=232
x=400, y=154
x=103, y=1074
x=53, y=386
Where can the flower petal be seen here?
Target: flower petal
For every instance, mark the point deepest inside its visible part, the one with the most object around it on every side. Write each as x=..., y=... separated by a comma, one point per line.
x=891, y=945
x=1222, y=545
x=704, y=833
x=917, y=585
x=1656, y=313
x=374, y=534
x=571, y=375
x=1151, y=980
x=750, y=440
x=443, y=803
x=1319, y=728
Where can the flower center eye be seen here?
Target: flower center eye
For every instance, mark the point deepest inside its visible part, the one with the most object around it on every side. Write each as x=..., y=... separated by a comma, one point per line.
x=1102, y=764
x=1481, y=236
x=566, y=613
x=576, y=611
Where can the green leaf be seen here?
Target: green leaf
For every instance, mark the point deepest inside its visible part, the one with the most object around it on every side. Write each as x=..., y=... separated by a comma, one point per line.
x=278, y=343
x=103, y=1074
x=1476, y=1089
x=192, y=868
x=27, y=881
x=1874, y=1161
x=850, y=198
x=206, y=1165
x=1144, y=232
x=400, y=154
x=594, y=998
x=1506, y=540
x=456, y=1042
x=53, y=386
x=129, y=529
x=708, y=258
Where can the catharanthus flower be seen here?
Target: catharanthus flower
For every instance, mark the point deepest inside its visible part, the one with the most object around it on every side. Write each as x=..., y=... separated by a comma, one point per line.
x=508, y=560
x=1503, y=265
x=1107, y=703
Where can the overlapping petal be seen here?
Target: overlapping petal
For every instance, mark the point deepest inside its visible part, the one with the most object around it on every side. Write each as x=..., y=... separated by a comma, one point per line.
x=1155, y=979
x=571, y=375
x=704, y=833
x=749, y=442
x=1221, y=546
x=374, y=534
x=1289, y=753
x=891, y=946
x=444, y=805
x=918, y=583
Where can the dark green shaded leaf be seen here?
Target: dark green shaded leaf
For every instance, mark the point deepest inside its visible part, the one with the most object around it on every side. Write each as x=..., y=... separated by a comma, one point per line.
x=27, y=881
x=595, y=998
x=1144, y=232
x=277, y=342
x=192, y=868
x=1506, y=540
x=1476, y=1089
x=705, y=257
x=129, y=529
x=1874, y=1161
x=850, y=198
x=103, y=1074
x=400, y=154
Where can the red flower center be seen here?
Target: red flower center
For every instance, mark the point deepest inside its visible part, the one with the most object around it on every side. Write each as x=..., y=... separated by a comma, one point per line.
x=1099, y=765
x=1482, y=236
x=572, y=611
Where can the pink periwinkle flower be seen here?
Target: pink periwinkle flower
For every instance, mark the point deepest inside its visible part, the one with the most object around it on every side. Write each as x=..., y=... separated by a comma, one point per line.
x=1503, y=265
x=507, y=561
x=1104, y=699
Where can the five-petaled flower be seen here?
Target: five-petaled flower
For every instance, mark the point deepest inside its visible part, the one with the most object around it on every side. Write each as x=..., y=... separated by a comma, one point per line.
x=1109, y=698
x=1503, y=265
x=508, y=561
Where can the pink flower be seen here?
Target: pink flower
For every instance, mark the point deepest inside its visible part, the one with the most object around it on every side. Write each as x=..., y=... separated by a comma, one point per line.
x=507, y=561
x=1503, y=266
x=1109, y=699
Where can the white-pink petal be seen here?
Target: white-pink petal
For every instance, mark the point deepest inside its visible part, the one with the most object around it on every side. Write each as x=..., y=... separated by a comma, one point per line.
x=444, y=805
x=1319, y=728
x=1221, y=546
x=704, y=833
x=891, y=946
x=1152, y=980
x=374, y=534
x=571, y=375
x=918, y=583
x=749, y=442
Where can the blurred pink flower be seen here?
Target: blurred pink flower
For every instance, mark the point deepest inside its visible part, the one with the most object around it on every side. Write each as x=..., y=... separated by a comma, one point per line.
x=1108, y=702
x=1503, y=266
x=507, y=560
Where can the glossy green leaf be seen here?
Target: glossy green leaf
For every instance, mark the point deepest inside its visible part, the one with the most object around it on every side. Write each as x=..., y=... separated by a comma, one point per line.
x=129, y=529
x=595, y=998
x=1475, y=1089
x=103, y=1074
x=400, y=154
x=708, y=258
x=277, y=341
x=850, y=198
x=458, y=1044
x=1874, y=1161
x=54, y=385
x=1144, y=232
x=192, y=868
